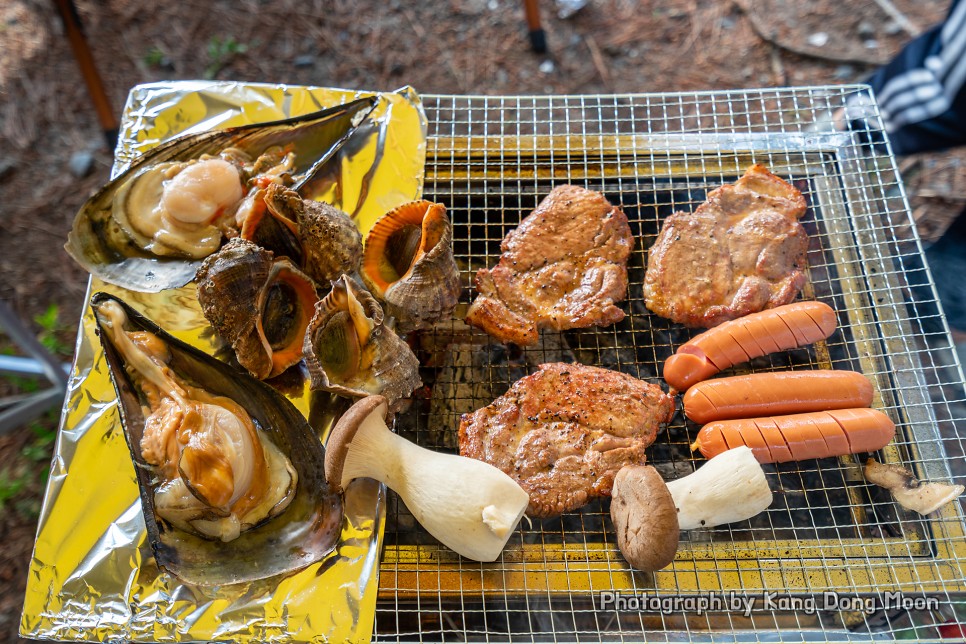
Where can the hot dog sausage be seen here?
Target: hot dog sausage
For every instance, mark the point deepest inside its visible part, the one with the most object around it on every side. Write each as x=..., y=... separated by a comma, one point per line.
x=800, y=436
x=737, y=341
x=766, y=394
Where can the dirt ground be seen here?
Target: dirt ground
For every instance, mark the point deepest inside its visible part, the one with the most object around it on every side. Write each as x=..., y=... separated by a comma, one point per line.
x=52, y=152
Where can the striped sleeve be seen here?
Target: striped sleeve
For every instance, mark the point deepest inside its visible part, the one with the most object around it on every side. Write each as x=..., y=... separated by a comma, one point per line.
x=920, y=92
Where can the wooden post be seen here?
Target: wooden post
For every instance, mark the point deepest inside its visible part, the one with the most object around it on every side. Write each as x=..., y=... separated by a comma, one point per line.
x=85, y=60
x=538, y=38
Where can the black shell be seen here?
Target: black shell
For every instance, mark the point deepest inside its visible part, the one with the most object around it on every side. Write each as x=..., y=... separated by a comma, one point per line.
x=303, y=534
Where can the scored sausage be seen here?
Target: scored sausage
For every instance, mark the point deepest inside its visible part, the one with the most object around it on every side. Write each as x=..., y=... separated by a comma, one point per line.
x=767, y=394
x=798, y=437
x=736, y=341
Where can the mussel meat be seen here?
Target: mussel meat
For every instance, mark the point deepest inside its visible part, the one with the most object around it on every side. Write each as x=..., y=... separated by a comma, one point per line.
x=177, y=209
x=408, y=264
x=349, y=351
x=230, y=474
x=258, y=303
x=148, y=229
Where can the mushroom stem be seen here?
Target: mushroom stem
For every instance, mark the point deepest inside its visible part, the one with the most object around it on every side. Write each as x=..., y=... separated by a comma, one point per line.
x=730, y=487
x=907, y=490
x=470, y=506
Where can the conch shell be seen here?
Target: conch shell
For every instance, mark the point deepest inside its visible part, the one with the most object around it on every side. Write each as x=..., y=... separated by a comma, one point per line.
x=230, y=475
x=349, y=351
x=318, y=237
x=259, y=304
x=408, y=264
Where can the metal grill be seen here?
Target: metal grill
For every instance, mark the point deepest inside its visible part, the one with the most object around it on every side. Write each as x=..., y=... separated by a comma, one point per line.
x=491, y=160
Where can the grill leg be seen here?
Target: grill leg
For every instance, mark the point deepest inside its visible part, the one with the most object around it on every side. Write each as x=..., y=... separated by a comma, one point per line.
x=19, y=410
x=538, y=38
x=85, y=60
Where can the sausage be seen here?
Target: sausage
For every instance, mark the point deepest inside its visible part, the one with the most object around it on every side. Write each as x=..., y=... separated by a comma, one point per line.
x=797, y=437
x=740, y=340
x=785, y=392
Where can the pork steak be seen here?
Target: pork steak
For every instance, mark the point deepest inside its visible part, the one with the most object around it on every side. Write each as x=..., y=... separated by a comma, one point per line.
x=563, y=267
x=741, y=251
x=565, y=431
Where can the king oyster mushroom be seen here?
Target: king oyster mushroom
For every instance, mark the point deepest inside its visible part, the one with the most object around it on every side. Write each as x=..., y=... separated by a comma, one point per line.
x=259, y=304
x=320, y=238
x=908, y=491
x=149, y=228
x=231, y=477
x=470, y=506
x=408, y=264
x=349, y=351
x=644, y=517
x=728, y=488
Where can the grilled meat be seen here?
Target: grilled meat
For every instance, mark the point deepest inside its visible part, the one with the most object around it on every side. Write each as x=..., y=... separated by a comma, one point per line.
x=565, y=431
x=563, y=267
x=740, y=252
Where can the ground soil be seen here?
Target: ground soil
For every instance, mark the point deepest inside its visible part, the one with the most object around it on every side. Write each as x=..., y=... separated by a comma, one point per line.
x=457, y=46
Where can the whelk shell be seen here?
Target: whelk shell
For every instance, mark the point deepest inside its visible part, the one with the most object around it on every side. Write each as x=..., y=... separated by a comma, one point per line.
x=349, y=351
x=269, y=228
x=328, y=243
x=408, y=264
x=230, y=475
x=259, y=304
x=148, y=249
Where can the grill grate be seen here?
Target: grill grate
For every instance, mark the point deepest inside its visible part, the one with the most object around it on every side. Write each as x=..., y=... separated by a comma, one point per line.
x=491, y=160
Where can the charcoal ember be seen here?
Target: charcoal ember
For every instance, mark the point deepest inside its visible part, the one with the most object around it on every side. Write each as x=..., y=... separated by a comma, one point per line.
x=410, y=421
x=631, y=347
x=587, y=524
x=473, y=375
x=671, y=471
x=407, y=530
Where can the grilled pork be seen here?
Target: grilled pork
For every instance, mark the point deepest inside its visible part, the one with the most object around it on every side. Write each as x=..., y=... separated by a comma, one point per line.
x=563, y=267
x=740, y=252
x=565, y=431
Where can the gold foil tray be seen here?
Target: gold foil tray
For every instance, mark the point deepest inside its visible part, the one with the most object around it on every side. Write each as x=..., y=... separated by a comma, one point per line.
x=93, y=576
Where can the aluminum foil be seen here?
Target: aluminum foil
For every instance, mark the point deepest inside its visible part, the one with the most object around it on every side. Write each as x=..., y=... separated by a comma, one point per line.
x=93, y=576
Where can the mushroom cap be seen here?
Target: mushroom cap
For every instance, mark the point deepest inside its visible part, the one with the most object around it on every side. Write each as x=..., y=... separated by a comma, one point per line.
x=645, y=518
x=340, y=438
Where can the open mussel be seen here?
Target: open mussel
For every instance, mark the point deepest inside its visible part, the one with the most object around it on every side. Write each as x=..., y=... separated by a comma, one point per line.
x=230, y=475
x=258, y=303
x=349, y=351
x=149, y=228
x=408, y=264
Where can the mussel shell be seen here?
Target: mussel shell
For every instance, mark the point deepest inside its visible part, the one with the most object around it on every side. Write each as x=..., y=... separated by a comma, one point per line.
x=408, y=264
x=97, y=243
x=303, y=534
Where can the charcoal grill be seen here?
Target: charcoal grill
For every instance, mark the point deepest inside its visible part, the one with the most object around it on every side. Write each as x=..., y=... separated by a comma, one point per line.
x=490, y=160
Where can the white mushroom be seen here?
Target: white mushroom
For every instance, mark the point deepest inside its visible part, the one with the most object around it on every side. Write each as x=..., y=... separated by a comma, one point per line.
x=470, y=506
x=730, y=487
x=907, y=490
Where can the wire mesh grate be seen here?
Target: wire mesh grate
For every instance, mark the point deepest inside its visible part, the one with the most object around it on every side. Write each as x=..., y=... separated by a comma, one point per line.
x=490, y=161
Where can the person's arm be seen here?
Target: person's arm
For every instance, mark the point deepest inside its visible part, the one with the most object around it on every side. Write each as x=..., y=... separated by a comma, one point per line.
x=921, y=91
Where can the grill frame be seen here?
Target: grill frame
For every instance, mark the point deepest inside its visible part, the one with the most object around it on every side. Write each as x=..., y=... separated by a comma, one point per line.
x=490, y=160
